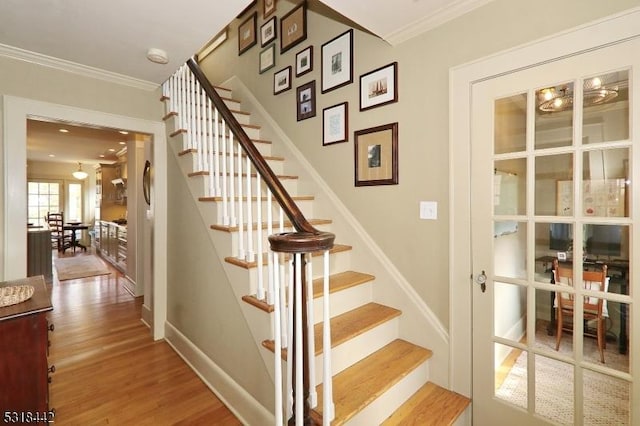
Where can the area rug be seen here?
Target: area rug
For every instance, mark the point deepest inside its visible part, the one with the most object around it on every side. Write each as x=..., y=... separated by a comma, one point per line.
x=606, y=399
x=71, y=268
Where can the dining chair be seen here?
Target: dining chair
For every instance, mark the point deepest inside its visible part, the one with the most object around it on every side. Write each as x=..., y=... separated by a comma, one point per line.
x=59, y=237
x=594, y=308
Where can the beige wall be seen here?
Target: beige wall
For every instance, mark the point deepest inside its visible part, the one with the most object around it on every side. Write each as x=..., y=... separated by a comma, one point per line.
x=390, y=213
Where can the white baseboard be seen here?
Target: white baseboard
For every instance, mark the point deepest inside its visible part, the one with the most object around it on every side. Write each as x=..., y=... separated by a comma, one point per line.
x=147, y=316
x=239, y=401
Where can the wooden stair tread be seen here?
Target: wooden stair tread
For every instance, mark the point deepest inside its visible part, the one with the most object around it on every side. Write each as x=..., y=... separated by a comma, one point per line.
x=337, y=248
x=337, y=282
x=341, y=281
x=431, y=405
x=274, y=225
x=359, y=385
x=348, y=325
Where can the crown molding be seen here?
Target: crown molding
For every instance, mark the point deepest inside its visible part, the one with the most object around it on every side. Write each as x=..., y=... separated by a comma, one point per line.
x=433, y=20
x=75, y=68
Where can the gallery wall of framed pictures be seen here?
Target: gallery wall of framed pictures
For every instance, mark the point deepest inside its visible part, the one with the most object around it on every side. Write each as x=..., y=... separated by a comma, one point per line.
x=376, y=147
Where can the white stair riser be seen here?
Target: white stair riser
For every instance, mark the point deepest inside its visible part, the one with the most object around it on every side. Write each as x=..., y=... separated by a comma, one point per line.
x=344, y=300
x=345, y=355
x=232, y=103
x=378, y=411
x=223, y=92
x=276, y=165
x=200, y=184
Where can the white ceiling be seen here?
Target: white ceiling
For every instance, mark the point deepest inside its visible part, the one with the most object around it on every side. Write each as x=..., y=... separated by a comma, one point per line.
x=109, y=39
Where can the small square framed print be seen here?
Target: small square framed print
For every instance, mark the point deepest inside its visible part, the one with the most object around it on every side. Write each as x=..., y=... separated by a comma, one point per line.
x=306, y=100
x=268, y=32
x=304, y=61
x=335, y=127
x=282, y=80
x=267, y=58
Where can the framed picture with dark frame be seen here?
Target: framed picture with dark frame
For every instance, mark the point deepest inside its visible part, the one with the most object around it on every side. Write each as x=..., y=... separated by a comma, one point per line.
x=293, y=27
x=267, y=58
x=376, y=155
x=268, y=32
x=306, y=100
x=335, y=124
x=247, y=37
x=282, y=80
x=268, y=7
x=337, y=62
x=379, y=87
x=304, y=61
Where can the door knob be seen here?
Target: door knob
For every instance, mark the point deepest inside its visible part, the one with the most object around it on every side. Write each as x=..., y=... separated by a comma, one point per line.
x=482, y=280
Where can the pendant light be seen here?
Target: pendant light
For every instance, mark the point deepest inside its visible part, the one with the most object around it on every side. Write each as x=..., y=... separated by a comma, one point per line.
x=80, y=174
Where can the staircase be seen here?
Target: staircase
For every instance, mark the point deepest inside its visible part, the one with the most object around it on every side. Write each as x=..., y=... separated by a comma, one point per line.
x=378, y=377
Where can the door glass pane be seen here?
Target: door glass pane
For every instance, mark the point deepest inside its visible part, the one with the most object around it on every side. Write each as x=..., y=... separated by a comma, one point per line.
x=554, y=389
x=510, y=190
x=606, y=108
x=606, y=400
x=511, y=375
x=615, y=330
x=604, y=183
x=510, y=124
x=554, y=116
x=546, y=321
x=511, y=311
x=510, y=249
x=552, y=240
x=554, y=191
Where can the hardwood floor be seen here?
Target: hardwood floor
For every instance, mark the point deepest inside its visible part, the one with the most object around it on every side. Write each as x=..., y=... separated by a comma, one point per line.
x=108, y=368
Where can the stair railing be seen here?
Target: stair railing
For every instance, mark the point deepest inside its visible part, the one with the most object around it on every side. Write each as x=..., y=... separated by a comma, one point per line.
x=238, y=176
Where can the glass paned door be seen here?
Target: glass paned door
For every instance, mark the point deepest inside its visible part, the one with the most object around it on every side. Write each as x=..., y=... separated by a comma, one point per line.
x=553, y=236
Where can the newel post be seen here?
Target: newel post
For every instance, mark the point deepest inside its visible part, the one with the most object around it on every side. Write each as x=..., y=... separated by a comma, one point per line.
x=304, y=244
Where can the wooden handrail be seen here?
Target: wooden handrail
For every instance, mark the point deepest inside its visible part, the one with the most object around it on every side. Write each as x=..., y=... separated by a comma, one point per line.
x=281, y=195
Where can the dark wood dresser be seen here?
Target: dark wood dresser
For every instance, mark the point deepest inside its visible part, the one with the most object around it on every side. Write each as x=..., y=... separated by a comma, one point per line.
x=24, y=368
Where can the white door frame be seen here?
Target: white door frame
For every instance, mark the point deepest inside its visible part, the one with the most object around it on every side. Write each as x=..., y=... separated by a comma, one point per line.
x=16, y=111
x=609, y=30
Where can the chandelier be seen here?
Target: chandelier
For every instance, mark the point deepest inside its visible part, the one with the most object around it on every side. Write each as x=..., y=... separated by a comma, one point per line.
x=560, y=98
x=80, y=174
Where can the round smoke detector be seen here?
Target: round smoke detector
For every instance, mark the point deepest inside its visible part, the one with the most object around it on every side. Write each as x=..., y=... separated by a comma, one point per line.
x=157, y=56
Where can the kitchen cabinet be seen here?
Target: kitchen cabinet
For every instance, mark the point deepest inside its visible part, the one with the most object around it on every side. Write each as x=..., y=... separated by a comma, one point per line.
x=113, y=244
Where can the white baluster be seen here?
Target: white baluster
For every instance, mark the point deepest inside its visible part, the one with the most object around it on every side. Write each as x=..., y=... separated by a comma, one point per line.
x=203, y=132
x=197, y=128
x=232, y=182
x=259, y=237
x=218, y=191
x=189, y=117
x=290, y=334
x=241, y=250
x=251, y=254
x=328, y=408
x=224, y=154
x=210, y=148
x=299, y=326
x=270, y=265
x=313, y=395
x=277, y=350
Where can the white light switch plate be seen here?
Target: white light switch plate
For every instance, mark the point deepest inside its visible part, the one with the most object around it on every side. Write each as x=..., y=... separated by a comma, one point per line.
x=428, y=210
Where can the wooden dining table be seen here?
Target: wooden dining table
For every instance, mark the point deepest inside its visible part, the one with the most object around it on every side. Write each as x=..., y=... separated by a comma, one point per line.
x=75, y=227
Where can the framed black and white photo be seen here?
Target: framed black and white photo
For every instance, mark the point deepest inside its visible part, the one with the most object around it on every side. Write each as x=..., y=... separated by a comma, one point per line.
x=247, y=37
x=293, y=27
x=337, y=62
x=267, y=58
x=335, y=127
x=268, y=32
x=376, y=155
x=306, y=100
x=282, y=80
x=379, y=87
x=304, y=61
x=268, y=7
